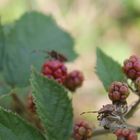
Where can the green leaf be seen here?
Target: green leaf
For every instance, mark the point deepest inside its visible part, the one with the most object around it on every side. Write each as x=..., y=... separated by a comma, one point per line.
x=26, y=43
x=2, y=46
x=7, y=28
x=53, y=106
x=107, y=69
x=4, y=90
x=14, y=128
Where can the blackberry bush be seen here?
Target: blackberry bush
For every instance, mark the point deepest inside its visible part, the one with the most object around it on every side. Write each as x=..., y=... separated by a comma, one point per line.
x=49, y=108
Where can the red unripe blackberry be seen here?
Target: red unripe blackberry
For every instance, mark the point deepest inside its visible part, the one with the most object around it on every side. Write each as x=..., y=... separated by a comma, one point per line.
x=82, y=131
x=133, y=136
x=131, y=67
x=118, y=92
x=30, y=104
x=55, y=69
x=74, y=80
x=126, y=133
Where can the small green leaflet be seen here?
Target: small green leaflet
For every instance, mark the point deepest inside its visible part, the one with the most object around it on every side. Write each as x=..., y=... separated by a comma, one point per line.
x=107, y=69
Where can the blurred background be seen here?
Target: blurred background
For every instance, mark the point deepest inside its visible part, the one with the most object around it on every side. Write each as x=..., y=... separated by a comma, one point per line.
x=113, y=25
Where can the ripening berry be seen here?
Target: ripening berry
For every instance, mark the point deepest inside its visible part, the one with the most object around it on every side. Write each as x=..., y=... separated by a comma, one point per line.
x=127, y=134
x=82, y=131
x=30, y=104
x=118, y=92
x=74, y=80
x=133, y=136
x=55, y=69
x=131, y=67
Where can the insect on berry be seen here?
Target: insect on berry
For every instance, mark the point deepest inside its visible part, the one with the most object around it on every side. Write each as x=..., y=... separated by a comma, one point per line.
x=57, y=56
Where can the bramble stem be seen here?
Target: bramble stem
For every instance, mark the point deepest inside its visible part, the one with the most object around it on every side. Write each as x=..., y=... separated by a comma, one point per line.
x=132, y=109
x=100, y=131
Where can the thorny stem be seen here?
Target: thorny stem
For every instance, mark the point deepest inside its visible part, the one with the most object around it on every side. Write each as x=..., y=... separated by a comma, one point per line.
x=133, y=109
x=134, y=106
x=132, y=89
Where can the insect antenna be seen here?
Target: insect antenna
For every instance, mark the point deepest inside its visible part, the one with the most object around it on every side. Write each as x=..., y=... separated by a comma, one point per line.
x=88, y=112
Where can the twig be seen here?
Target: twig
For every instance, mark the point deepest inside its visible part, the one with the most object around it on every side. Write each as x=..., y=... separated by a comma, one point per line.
x=132, y=109
x=134, y=91
x=131, y=88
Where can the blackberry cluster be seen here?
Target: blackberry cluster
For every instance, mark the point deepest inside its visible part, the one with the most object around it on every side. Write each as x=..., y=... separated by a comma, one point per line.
x=118, y=92
x=82, y=131
x=55, y=69
x=74, y=80
x=127, y=134
x=131, y=67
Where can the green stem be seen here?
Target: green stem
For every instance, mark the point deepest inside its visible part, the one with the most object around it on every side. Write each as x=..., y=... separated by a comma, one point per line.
x=132, y=109
x=100, y=131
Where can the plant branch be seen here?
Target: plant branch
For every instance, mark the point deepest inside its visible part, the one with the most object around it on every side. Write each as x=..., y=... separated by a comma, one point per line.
x=131, y=89
x=100, y=131
x=132, y=109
